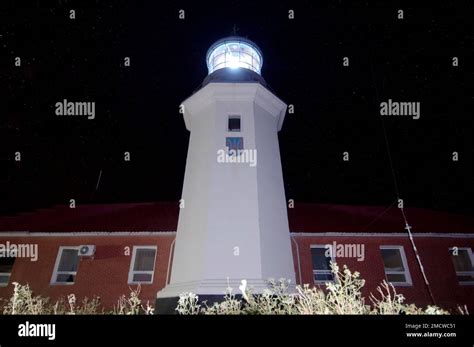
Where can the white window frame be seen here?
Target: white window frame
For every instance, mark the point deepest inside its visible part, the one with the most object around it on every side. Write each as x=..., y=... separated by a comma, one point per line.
x=234, y=115
x=56, y=265
x=408, y=282
x=131, y=272
x=461, y=273
x=322, y=272
x=9, y=274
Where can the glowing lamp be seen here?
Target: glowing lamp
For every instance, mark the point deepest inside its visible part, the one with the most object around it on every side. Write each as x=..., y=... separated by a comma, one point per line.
x=234, y=52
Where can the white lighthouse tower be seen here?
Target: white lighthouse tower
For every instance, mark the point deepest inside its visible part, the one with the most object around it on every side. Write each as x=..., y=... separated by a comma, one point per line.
x=234, y=223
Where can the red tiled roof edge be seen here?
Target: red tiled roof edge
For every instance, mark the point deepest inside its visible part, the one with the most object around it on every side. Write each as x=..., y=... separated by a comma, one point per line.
x=303, y=218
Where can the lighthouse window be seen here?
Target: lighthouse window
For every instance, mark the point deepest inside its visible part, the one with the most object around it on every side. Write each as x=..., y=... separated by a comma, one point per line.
x=322, y=257
x=395, y=263
x=142, y=266
x=234, y=123
x=234, y=144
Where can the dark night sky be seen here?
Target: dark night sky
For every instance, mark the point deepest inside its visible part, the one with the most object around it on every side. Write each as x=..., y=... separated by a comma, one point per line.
x=336, y=107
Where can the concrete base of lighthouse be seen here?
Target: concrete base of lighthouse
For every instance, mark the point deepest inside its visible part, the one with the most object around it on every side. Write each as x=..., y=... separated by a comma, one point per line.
x=167, y=306
x=210, y=291
x=210, y=287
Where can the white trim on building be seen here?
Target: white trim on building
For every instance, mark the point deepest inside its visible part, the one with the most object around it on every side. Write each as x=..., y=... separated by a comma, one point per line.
x=86, y=233
x=354, y=234
x=170, y=233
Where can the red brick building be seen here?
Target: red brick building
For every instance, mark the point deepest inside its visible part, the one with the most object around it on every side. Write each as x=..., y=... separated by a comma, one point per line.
x=133, y=243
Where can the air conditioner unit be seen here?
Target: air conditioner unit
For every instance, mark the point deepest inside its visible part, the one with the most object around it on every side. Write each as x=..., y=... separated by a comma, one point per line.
x=86, y=250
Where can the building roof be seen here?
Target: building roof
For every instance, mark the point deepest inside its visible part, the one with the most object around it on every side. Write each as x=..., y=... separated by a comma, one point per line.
x=374, y=219
x=303, y=218
x=105, y=217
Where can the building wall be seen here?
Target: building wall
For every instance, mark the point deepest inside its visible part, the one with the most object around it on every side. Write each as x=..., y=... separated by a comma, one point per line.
x=105, y=274
x=434, y=255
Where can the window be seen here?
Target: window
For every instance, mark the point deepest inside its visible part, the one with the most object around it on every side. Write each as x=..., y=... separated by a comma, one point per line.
x=234, y=124
x=6, y=267
x=234, y=54
x=142, y=266
x=65, y=269
x=463, y=264
x=234, y=143
x=322, y=257
x=395, y=263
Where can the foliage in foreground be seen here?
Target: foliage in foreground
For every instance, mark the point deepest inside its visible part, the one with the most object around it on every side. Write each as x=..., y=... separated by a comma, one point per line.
x=341, y=297
x=23, y=301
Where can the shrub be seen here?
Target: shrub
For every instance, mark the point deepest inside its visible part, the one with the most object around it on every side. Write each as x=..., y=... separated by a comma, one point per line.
x=132, y=305
x=343, y=296
x=23, y=301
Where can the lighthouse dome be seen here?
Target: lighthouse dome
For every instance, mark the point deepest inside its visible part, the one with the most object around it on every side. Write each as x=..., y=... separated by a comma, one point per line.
x=234, y=52
x=234, y=59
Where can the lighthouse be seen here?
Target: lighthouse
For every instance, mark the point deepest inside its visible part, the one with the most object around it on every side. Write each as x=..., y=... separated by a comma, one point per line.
x=233, y=222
